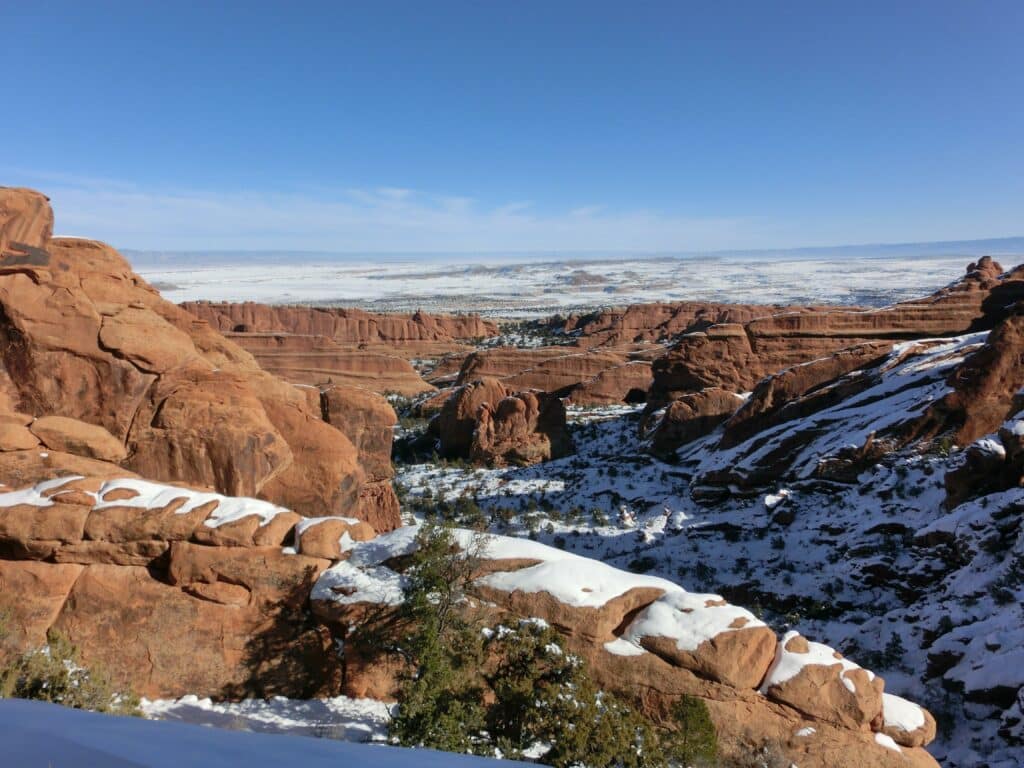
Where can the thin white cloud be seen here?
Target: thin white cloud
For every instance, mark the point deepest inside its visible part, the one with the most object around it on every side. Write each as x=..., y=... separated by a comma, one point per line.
x=391, y=218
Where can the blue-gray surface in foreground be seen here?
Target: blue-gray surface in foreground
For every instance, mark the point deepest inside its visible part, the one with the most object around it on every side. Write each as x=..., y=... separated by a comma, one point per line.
x=38, y=735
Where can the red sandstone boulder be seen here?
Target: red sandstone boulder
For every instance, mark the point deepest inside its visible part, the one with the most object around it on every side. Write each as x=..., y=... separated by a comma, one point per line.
x=524, y=428
x=690, y=417
x=73, y=436
x=457, y=420
x=818, y=681
x=487, y=423
x=905, y=722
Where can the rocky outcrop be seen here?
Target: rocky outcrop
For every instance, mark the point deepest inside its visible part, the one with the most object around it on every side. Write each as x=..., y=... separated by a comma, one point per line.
x=341, y=324
x=787, y=395
x=736, y=356
x=26, y=225
x=171, y=589
x=367, y=420
x=840, y=429
x=690, y=417
x=110, y=371
x=321, y=361
x=652, y=642
x=490, y=424
x=986, y=387
x=640, y=323
x=586, y=378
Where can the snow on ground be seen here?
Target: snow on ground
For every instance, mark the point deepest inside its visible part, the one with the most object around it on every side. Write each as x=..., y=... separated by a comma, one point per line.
x=36, y=735
x=337, y=718
x=524, y=287
x=876, y=568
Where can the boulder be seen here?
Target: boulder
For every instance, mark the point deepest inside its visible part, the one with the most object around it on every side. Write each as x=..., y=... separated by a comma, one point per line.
x=524, y=428
x=819, y=682
x=690, y=417
x=78, y=437
x=905, y=722
x=330, y=537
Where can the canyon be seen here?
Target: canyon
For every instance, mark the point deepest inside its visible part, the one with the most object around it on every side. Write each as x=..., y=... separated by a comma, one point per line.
x=205, y=497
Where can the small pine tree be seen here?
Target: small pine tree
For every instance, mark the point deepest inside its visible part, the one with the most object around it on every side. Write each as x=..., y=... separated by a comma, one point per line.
x=692, y=740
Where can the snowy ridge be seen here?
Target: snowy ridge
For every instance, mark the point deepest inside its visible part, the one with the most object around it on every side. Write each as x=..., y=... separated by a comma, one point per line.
x=149, y=495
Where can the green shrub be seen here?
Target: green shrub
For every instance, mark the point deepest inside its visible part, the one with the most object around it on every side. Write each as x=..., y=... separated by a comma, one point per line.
x=54, y=673
x=510, y=690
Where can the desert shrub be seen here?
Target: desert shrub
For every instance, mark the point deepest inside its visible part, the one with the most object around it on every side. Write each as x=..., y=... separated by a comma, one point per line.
x=54, y=673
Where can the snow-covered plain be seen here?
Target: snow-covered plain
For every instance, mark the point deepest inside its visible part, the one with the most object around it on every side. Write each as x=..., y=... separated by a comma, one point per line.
x=535, y=288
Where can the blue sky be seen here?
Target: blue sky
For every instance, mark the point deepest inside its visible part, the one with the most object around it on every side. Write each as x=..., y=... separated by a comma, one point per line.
x=502, y=126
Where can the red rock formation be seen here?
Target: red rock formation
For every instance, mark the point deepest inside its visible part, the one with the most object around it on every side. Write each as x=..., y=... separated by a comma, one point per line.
x=84, y=339
x=986, y=385
x=690, y=417
x=785, y=395
x=652, y=643
x=523, y=428
x=367, y=419
x=737, y=356
x=319, y=360
x=588, y=378
x=657, y=322
x=26, y=224
x=170, y=589
x=340, y=324
x=489, y=423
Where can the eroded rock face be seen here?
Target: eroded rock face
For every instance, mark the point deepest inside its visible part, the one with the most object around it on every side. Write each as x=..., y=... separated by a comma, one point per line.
x=172, y=590
x=26, y=224
x=690, y=417
x=341, y=324
x=588, y=377
x=320, y=361
x=110, y=371
x=986, y=386
x=487, y=423
x=736, y=356
x=652, y=642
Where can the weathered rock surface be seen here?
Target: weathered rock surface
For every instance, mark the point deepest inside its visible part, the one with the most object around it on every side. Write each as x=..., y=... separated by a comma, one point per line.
x=26, y=224
x=819, y=682
x=639, y=323
x=652, y=642
x=986, y=386
x=736, y=356
x=111, y=371
x=488, y=423
x=319, y=360
x=690, y=417
x=340, y=324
